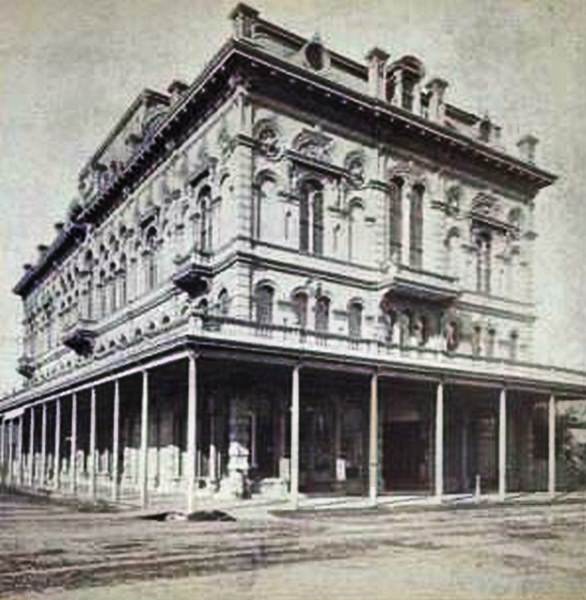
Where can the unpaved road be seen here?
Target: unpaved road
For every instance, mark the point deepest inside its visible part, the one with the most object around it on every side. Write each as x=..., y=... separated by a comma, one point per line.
x=48, y=551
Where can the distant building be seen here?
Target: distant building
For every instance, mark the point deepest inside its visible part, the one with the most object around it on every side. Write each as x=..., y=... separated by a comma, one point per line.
x=297, y=273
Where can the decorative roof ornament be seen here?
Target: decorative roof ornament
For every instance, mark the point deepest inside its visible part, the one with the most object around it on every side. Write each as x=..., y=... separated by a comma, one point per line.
x=269, y=140
x=314, y=144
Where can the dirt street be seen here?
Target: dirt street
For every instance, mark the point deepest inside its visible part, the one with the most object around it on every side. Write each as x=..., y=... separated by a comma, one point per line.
x=51, y=551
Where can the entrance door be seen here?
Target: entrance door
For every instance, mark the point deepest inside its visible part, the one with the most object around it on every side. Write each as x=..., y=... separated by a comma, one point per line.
x=403, y=452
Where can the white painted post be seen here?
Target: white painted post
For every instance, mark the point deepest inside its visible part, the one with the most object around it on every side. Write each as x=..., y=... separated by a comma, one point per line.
x=92, y=457
x=2, y=453
x=73, y=448
x=502, y=444
x=10, y=454
x=551, y=471
x=31, y=448
x=191, y=431
x=115, y=440
x=439, y=441
x=57, y=457
x=20, y=473
x=144, y=442
x=373, y=441
x=213, y=458
x=43, y=469
x=294, y=490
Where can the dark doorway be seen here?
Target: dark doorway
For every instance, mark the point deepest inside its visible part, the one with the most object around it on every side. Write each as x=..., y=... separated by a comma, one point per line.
x=403, y=456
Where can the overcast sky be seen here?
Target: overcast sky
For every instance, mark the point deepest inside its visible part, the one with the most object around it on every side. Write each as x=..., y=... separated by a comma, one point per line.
x=69, y=68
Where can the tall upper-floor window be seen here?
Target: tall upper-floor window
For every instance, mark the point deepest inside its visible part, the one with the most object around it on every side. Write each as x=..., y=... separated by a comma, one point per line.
x=322, y=314
x=355, y=320
x=416, y=227
x=311, y=218
x=103, y=295
x=151, y=259
x=123, y=280
x=89, y=274
x=395, y=218
x=264, y=304
x=483, y=243
x=204, y=209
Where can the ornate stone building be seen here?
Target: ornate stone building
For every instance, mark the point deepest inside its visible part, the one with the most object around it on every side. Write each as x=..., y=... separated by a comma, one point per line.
x=299, y=273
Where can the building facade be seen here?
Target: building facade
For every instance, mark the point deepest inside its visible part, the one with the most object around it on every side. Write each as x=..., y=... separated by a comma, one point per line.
x=299, y=273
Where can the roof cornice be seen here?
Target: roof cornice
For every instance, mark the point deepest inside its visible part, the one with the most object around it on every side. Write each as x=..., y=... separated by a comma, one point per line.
x=156, y=151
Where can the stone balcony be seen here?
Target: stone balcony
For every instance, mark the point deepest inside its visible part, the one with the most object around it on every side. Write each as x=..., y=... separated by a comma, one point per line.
x=26, y=366
x=422, y=284
x=80, y=336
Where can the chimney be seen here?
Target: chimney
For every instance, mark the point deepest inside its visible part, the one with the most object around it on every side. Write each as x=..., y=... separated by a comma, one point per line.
x=527, y=145
x=42, y=249
x=377, y=62
x=437, y=88
x=58, y=227
x=27, y=266
x=176, y=90
x=243, y=17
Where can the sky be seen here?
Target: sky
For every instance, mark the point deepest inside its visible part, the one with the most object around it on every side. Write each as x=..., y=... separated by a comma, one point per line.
x=69, y=68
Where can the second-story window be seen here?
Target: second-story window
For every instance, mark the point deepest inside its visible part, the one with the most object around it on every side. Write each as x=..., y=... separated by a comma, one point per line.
x=490, y=342
x=322, y=314
x=264, y=304
x=416, y=227
x=513, y=345
x=300, y=308
x=355, y=320
x=311, y=219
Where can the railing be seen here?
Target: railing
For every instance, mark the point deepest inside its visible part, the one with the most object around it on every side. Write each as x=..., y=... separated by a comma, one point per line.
x=320, y=344
x=432, y=355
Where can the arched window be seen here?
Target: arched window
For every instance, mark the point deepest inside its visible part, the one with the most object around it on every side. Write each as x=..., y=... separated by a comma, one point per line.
x=421, y=330
x=264, y=304
x=514, y=345
x=322, y=314
x=452, y=336
x=355, y=320
x=311, y=220
x=89, y=271
x=123, y=281
x=204, y=208
x=395, y=218
x=102, y=294
x=483, y=242
x=476, y=340
x=223, y=302
x=265, y=213
x=416, y=227
x=452, y=253
x=151, y=259
x=300, y=308
x=355, y=229
x=490, y=342
x=113, y=300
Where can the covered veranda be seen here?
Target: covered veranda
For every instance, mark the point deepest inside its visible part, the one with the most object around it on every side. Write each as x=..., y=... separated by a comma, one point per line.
x=205, y=425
